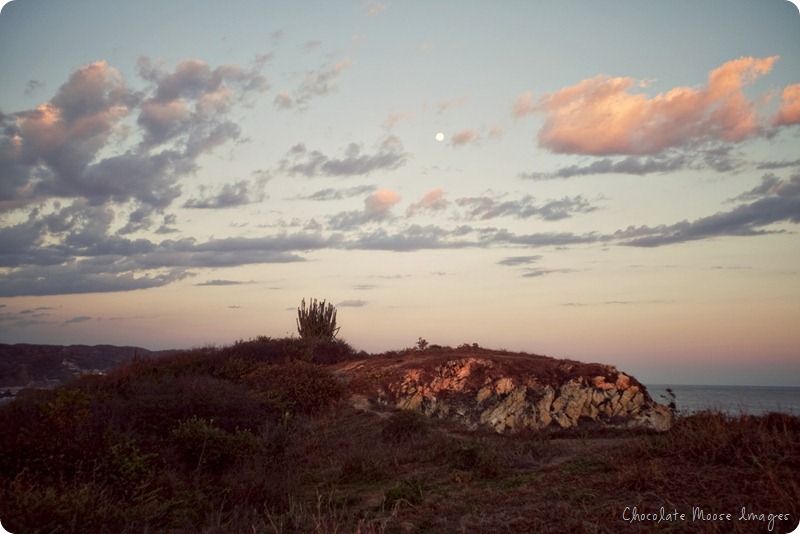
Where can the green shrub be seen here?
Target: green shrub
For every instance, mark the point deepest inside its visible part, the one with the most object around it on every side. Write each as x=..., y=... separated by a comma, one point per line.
x=203, y=446
x=470, y=455
x=297, y=387
x=124, y=466
x=410, y=491
x=405, y=425
x=362, y=467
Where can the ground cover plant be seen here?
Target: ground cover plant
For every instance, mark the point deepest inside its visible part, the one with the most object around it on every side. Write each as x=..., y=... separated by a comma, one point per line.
x=260, y=437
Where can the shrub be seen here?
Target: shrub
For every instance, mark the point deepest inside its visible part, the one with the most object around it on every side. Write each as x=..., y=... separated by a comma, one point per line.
x=318, y=320
x=297, y=387
x=470, y=455
x=405, y=425
x=410, y=492
x=205, y=447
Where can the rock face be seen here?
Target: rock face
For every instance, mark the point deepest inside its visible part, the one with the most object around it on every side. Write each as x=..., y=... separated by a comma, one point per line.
x=505, y=391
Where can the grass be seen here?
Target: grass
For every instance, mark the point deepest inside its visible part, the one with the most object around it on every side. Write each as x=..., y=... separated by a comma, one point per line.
x=258, y=438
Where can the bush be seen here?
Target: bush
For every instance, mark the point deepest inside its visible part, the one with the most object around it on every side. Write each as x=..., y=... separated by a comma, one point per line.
x=205, y=447
x=409, y=492
x=318, y=320
x=405, y=425
x=297, y=387
x=470, y=455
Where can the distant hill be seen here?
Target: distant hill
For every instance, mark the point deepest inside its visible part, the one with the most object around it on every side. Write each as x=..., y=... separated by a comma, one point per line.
x=25, y=364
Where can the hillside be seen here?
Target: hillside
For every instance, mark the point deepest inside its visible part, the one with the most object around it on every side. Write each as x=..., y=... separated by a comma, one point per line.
x=290, y=435
x=25, y=364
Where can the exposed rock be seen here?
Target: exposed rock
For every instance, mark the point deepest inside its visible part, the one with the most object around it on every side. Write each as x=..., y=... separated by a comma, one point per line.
x=505, y=391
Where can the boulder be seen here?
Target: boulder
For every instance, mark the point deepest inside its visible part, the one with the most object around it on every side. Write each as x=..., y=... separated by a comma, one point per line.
x=505, y=391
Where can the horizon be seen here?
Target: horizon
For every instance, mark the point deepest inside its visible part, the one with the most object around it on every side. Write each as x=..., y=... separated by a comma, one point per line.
x=603, y=182
x=647, y=383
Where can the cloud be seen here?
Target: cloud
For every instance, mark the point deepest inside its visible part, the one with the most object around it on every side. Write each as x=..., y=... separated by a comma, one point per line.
x=396, y=117
x=331, y=193
x=84, y=261
x=789, y=112
x=771, y=165
x=188, y=102
x=432, y=201
x=496, y=132
x=315, y=83
x=535, y=273
x=485, y=208
x=377, y=207
x=414, y=237
x=284, y=100
x=464, y=137
x=629, y=165
x=364, y=287
x=771, y=185
x=228, y=196
x=372, y=8
x=444, y=105
x=494, y=236
x=352, y=304
x=76, y=320
x=775, y=201
x=78, y=144
x=519, y=260
x=73, y=279
x=32, y=86
x=221, y=283
x=603, y=116
x=47, y=151
x=720, y=158
x=389, y=155
x=380, y=202
x=524, y=105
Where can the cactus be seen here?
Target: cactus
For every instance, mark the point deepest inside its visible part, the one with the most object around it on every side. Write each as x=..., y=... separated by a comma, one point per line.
x=316, y=321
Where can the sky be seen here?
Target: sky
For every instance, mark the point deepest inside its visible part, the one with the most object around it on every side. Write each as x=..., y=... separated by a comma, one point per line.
x=605, y=181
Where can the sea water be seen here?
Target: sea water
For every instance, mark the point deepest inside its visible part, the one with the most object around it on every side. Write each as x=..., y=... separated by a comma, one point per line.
x=732, y=400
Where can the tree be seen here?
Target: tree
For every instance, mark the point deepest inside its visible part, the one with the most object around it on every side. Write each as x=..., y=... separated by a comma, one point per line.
x=316, y=321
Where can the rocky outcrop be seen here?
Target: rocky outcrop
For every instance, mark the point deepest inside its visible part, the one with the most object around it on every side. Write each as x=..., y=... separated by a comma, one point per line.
x=505, y=391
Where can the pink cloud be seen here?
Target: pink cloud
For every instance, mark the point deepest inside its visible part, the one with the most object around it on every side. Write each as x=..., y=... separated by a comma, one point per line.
x=432, y=201
x=444, y=105
x=601, y=115
x=395, y=117
x=380, y=202
x=524, y=105
x=84, y=111
x=789, y=112
x=496, y=132
x=463, y=137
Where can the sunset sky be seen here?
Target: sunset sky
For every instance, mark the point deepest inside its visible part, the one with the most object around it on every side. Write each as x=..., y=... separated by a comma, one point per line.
x=614, y=181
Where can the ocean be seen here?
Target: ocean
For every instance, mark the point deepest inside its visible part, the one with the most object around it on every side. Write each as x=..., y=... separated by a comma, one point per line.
x=733, y=400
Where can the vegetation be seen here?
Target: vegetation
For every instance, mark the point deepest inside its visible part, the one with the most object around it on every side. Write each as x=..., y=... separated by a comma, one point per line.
x=259, y=437
x=316, y=321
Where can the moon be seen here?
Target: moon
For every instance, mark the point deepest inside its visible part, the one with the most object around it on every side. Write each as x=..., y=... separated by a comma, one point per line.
x=440, y=136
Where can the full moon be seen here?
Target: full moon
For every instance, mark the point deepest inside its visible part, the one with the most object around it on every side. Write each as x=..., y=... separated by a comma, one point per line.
x=440, y=136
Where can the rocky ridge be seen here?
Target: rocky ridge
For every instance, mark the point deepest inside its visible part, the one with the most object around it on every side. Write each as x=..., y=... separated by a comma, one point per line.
x=505, y=391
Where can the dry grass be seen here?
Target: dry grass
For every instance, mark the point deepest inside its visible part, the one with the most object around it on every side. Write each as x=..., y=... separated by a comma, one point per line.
x=234, y=440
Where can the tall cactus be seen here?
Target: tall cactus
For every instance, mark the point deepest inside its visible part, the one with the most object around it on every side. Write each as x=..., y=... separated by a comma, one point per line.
x=316, y=321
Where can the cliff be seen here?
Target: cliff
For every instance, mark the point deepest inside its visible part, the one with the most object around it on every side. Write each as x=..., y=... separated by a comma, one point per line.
x=503, y=390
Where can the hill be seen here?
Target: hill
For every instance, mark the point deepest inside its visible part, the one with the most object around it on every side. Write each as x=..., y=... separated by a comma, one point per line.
x=28, y=365
x=291, y=435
